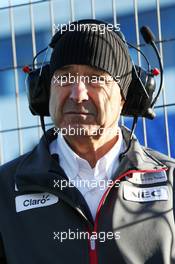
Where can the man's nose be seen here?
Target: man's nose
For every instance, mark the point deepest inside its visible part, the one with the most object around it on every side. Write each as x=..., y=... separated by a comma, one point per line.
x=79, y=92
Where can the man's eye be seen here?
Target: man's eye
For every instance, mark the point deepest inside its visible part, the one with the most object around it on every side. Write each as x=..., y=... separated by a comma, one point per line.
x=99, y=78
x=62, y=80
x=94, y=79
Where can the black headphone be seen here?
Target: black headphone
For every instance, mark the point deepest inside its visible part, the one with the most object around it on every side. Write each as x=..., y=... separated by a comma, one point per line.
x=139, y=101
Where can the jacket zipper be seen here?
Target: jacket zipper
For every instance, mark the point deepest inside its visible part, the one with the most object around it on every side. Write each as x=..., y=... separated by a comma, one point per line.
x=92, y=243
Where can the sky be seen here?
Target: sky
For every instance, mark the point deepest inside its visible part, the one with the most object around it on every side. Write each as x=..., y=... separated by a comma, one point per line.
x=124, y=5
x=62, y=13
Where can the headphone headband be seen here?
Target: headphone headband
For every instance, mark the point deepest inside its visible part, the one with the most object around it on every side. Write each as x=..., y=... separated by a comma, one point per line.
x=140, y=92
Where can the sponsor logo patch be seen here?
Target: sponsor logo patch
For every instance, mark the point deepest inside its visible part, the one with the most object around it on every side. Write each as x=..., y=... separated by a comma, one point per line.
x=31, y=201
x=136, y=194
x=147, y=178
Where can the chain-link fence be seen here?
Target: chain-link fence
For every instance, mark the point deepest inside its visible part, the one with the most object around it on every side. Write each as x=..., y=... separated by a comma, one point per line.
x=27, y=27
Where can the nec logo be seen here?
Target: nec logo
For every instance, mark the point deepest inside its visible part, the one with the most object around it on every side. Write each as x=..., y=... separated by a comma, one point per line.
x=31, y=201
x=146, y=194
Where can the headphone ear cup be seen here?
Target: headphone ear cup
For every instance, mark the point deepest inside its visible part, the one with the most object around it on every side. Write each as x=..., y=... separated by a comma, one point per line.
x=140, y=93
x=38, y=91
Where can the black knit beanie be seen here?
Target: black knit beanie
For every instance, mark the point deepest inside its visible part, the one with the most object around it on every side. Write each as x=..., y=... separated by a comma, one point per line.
x=86, y=46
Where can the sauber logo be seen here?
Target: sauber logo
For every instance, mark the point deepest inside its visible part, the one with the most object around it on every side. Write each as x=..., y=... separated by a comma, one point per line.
x=136, y=194
x=31, y=201
x=148, y=178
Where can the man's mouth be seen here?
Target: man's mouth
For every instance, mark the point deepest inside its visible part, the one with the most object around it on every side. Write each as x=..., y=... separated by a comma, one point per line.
x=78, y=113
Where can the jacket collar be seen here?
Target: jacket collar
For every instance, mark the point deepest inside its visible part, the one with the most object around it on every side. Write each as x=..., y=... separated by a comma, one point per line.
x=41, y=168
x=138, y=157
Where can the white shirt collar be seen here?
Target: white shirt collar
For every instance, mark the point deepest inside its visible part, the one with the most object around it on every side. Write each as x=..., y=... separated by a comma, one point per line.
x=75, y=165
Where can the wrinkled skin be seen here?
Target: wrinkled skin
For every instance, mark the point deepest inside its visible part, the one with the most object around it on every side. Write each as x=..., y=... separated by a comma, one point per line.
x=87, y=105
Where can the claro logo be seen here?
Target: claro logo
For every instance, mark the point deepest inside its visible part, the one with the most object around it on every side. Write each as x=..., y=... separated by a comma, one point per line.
x=35, y=200
x=30, y=202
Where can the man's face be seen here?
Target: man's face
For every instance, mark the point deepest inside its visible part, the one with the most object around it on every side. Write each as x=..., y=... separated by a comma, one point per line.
x=84, y=98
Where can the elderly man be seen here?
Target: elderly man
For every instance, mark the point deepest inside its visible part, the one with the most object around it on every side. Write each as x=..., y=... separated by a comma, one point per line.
x=76, y=200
